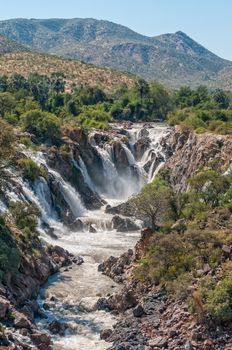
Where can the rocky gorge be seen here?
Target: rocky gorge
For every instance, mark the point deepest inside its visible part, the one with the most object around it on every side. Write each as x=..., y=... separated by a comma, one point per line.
x=82, y=203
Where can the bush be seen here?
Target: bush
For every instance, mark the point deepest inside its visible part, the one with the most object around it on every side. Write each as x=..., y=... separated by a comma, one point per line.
x=24, y=215
x=44, y=125
x=30, y=169
x=219, y=300
x=9, y=254
x=94, y=117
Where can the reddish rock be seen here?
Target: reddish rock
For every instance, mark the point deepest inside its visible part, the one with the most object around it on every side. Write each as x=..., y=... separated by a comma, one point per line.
x=4, y=306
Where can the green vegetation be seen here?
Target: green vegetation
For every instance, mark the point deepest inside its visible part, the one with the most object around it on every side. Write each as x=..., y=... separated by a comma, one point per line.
x=30, y=169
x=41, y=105
x=219, y=300
x=202, y=110
x=7, y=150
x=9, y=253
x=25, y=216
x=45, y=126
x=178, y=256
x=154, y=202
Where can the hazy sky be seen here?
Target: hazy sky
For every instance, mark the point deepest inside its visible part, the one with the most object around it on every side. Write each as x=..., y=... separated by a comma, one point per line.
x=207, y=21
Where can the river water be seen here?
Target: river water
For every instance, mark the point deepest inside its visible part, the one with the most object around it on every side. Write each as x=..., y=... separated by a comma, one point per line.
x=70, y=296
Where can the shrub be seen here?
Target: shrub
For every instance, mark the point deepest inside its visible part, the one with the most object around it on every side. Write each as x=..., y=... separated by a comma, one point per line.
x=30, y=169
x=24, y=215
x=44, y=125
x=219, y=300
x=9, y=253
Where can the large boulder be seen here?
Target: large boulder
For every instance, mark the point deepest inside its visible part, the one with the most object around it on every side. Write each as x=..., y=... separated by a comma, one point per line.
x=122, y=301
x=21, y=321
x=141, y=146
x=119, y=156
x=56, y=327
x=121, y=224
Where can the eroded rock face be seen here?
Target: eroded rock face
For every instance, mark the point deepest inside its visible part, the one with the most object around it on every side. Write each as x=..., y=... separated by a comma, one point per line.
x=142, y=245
x=82, y=147
x=119, y=156
x=190, y=151
x=66, y=164
x=141, y=146
x=115, y=267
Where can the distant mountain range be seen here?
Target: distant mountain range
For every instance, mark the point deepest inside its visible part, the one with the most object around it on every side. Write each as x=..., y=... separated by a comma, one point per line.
x=8, y=46
x=173, y=59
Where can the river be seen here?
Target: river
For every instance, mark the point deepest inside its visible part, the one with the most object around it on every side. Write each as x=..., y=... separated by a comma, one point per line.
x=70, y=296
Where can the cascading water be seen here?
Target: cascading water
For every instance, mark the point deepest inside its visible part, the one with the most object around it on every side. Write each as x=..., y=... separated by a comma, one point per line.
x=71, y=296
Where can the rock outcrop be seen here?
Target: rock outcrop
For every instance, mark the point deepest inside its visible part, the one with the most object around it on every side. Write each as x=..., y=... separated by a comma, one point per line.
x=18, y=305
x=188, y=151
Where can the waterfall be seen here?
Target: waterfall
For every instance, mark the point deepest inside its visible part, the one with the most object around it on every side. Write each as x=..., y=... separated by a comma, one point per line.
x=86, y=176
x=112, y=186
x=43, y=193
x=3, y=208
x=130, y=156
x=71, y=196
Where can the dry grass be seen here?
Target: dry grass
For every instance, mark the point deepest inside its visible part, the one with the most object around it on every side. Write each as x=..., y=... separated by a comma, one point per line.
x=75, y=71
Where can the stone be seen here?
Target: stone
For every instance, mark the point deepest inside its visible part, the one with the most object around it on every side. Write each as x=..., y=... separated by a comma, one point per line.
x=226, y=250
x=78, y=260
x=188, y=345
x=4, y=307
x=21, y=321
x=92, y=229
x=122, y=224
x=41, y=338
x=158, y=342
x=88, y=304
x=138, y=311
x=141, y=145
x=103, y=304
x=56, y=327
x=105, y=334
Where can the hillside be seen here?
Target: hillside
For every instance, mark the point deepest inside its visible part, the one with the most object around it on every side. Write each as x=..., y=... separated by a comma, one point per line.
x=9, y=46
x=173, y=59
x=76, y=72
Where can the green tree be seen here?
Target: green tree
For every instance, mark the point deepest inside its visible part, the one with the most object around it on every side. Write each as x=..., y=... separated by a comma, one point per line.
x=7, y=140
x=43, y=125
x=39, y=87
x=221, y=98
x=153, y=202
x=210, y=185
x=7, y=103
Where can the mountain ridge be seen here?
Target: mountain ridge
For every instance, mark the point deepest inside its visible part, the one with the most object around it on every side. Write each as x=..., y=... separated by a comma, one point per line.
x=173, y=59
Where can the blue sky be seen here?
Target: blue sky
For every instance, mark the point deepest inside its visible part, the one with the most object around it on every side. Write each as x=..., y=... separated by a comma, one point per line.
x=207, y=21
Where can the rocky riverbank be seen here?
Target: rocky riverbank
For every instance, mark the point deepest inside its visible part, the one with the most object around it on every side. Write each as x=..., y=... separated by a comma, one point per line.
x=151, y=317
x=18, y=294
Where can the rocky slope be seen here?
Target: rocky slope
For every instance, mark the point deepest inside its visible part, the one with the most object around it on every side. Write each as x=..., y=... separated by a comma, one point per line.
x=152, y=318
x=9, y=46
x=190, y=151
x=19, y=290
x=174, y=59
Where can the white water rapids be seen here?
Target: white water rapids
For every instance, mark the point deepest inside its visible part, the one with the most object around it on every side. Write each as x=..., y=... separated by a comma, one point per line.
x=70, y=296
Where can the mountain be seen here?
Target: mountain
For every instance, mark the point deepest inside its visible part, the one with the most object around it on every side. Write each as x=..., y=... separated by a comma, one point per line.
x=9, y=46
x=174, y=59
